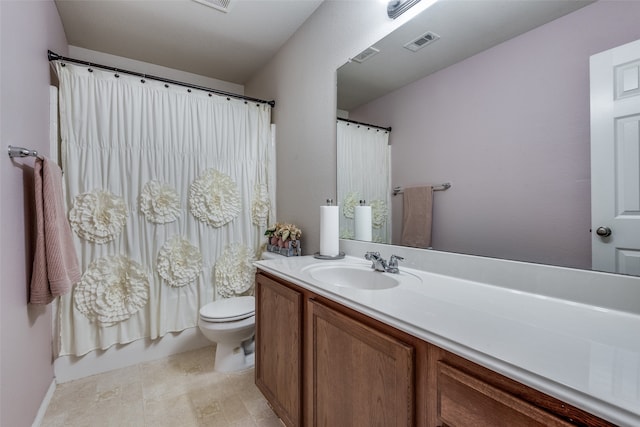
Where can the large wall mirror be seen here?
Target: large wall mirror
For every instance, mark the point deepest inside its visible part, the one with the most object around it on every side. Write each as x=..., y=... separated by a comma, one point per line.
x=494, y=98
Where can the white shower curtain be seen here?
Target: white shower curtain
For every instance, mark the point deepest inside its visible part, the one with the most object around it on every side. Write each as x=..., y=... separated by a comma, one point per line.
x=364, y=173
x=168, y=192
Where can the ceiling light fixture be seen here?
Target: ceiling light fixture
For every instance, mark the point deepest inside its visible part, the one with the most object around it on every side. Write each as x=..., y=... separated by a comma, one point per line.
x=396, y=8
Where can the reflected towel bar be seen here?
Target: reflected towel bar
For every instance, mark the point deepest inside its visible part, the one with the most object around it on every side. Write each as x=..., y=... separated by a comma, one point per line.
x=23, y=152
x=442, y=187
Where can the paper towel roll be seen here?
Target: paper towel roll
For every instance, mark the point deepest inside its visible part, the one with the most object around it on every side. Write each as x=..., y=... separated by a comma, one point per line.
x=363, y=223
x=329, y=231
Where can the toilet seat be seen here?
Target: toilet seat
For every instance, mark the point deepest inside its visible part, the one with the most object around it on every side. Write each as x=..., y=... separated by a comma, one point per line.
x=229, y=309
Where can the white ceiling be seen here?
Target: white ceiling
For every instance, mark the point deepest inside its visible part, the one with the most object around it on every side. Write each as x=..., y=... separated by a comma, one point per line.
x=465, y=27
x=186, y=35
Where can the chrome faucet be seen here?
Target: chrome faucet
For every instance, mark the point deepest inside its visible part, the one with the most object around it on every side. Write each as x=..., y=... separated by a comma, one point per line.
x=393, y=264
x=379, y=264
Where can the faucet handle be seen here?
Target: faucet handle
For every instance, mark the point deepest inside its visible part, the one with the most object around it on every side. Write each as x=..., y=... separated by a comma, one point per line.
x=393, y=261
x=371, y=255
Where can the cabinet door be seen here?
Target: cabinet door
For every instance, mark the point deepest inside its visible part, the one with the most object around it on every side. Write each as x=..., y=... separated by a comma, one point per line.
x=361, y=377
x=279, y=347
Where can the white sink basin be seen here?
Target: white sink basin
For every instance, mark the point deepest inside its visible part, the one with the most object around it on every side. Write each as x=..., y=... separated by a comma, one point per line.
x=353, y=276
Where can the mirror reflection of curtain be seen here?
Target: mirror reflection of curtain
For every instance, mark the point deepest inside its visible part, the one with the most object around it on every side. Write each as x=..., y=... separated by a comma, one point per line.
x=169, y=197
x=364, y=173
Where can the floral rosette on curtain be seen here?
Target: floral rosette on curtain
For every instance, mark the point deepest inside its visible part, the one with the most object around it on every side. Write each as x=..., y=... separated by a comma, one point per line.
x=234, y=271
x=111, y=290
x=98, y=216
x=159, y=202
x=260, y=205
x=214, y=198
x=179, y=262
x=349, y=203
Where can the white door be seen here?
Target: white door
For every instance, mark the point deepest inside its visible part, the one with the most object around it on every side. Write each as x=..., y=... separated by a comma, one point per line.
x=615, y=159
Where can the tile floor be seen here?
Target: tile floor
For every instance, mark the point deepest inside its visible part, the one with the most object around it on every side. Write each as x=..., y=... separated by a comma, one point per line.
x=182, y=391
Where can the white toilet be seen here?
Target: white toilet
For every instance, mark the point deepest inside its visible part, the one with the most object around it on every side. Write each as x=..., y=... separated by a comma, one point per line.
x=230, y=323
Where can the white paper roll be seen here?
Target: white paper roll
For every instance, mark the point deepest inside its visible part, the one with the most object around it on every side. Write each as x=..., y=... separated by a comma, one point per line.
x=329, y=231
x=363, y=223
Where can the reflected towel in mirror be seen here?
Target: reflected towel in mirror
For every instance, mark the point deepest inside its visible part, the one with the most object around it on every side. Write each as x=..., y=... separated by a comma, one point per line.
x=417, y=216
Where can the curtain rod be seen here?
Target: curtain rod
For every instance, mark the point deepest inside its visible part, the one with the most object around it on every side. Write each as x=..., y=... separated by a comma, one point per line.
x=55, y=57
x=366, y=124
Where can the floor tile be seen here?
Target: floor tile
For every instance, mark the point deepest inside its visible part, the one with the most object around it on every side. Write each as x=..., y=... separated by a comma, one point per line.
x=180, y=390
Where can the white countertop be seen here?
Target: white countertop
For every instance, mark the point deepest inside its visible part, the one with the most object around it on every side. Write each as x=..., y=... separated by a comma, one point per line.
x=585, y=355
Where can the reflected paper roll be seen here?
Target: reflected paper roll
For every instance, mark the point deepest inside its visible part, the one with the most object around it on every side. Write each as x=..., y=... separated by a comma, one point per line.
x=329, y=231
x=362, y=216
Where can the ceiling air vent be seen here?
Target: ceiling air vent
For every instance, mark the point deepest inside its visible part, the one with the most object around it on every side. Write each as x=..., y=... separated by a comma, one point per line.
x=222, y=5
x=365, y=54
x=422, y=41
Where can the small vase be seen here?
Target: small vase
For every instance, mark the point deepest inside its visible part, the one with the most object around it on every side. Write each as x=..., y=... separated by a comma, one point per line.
x=274, y=240
x=280, y=243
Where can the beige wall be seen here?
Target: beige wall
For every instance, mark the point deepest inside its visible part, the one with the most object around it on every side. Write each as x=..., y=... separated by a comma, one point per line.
x=28, y=29
x=302, y=80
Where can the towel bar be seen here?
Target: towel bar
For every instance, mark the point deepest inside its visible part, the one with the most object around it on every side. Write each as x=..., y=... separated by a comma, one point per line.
x=22, y=152
x=442, y=187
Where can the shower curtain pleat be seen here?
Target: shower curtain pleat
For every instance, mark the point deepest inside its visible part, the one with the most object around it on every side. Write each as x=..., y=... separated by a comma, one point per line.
x=117, y=135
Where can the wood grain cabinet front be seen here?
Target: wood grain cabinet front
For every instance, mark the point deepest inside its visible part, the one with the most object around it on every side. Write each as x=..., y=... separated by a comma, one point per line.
x=462, y=393
x=464, y=400
x=361, y=377
x=279, y=348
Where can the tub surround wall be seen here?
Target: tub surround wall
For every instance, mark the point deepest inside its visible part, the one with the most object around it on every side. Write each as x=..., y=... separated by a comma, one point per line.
x=27, y=30
x=518, y=175
x=69, y=368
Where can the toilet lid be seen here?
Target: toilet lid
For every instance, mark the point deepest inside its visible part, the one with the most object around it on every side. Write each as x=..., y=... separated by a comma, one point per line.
x=229, y=309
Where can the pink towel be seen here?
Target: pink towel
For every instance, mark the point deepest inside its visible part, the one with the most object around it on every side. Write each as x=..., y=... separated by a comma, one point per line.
x=416, y=216
x=55, y=265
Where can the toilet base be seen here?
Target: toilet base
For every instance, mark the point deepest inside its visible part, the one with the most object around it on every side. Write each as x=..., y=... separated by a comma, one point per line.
x=230, y=358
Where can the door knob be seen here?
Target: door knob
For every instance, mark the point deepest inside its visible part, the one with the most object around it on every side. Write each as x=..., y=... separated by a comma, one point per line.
x=603, y=231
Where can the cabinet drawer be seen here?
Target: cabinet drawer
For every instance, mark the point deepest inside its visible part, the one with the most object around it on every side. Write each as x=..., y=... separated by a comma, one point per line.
x=464, y=400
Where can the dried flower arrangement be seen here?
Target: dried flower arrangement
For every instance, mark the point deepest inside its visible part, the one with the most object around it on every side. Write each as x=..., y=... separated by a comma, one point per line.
x=284, y=239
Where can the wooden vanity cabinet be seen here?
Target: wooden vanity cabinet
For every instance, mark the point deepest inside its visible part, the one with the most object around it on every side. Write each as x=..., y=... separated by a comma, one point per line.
x=279, y=347
x=319, y=363
x=346, y=369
